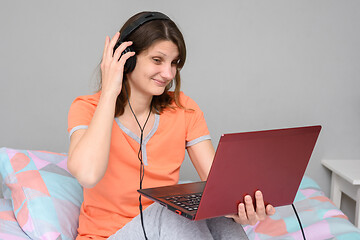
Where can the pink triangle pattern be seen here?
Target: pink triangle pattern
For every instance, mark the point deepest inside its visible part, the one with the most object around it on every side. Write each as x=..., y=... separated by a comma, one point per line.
x=63, y=164
x=38, y=162
x=11, y=152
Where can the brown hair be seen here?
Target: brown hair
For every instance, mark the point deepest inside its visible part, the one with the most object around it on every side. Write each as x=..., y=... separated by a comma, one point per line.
x=142, y=38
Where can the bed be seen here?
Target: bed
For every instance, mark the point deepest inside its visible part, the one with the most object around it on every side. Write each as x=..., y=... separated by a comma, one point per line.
x=39, y=199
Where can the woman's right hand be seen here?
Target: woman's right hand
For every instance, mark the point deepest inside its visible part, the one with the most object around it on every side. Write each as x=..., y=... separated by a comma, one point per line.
x=112, y=67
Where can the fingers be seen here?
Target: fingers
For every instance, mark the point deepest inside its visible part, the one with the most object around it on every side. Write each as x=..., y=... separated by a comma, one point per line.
x=111, y=58
x=107, y=40
x=260, y=206
x=108, y=44
x=112, y=43
x=251, y=214
x=108, y=53
x=248, y=215
x=242, y=216
x=125, y=57
x=120, y=49
x=270, y=210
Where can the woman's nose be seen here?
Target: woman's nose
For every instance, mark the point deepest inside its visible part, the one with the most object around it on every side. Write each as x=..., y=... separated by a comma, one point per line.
x=168, y=71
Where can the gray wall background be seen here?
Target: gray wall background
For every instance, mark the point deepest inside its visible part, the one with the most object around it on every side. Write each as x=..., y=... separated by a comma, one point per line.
x=251, y=65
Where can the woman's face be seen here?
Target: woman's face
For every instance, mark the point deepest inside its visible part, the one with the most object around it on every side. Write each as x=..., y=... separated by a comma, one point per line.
x=155, y=68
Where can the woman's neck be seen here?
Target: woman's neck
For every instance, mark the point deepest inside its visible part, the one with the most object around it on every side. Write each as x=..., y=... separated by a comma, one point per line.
x=140, y=104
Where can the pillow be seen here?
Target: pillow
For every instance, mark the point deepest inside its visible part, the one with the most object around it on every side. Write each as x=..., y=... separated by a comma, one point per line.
x=45, y=197
x=9, y=228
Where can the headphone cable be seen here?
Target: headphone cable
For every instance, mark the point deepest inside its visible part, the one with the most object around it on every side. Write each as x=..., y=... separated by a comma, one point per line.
x=297, y=216
x=142, y=167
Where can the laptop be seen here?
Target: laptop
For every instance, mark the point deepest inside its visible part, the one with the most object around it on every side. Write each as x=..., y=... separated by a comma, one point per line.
x=273, y=161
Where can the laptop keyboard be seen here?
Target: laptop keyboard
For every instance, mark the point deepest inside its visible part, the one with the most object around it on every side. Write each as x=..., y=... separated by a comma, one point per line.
x=188, y=202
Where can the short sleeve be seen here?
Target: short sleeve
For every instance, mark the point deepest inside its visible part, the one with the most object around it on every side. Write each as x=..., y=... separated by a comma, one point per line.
x=81, y=112
x=196, y=127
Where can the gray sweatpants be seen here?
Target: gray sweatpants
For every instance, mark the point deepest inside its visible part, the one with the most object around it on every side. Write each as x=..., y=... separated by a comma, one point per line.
x=161, y=223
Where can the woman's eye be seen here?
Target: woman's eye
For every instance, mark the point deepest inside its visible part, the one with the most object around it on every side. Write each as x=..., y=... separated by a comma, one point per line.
x=157, y=60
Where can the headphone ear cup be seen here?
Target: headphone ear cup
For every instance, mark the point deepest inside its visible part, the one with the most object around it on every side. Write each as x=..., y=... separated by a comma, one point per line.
x=131, y=62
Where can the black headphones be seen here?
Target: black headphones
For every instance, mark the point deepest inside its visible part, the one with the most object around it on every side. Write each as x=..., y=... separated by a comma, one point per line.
x=150, y=16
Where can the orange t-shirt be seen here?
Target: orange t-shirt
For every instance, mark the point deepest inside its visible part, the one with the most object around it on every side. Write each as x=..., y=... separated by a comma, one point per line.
x=114, y=201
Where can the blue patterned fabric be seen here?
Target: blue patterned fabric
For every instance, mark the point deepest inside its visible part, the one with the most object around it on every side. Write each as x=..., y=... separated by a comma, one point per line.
x=319, y=216
x=45, y=197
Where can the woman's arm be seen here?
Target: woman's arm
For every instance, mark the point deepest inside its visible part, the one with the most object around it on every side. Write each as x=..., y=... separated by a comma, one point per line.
x=89, y=149
x=202, y=155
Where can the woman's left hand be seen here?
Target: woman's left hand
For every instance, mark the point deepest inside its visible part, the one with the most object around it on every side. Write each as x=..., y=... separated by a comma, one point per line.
x=248, y=215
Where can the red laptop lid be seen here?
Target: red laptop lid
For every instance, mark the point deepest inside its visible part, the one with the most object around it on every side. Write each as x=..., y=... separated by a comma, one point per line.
x=273, y=161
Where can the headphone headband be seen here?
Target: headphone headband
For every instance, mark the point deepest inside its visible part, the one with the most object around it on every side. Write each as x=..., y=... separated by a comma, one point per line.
x=144, y=19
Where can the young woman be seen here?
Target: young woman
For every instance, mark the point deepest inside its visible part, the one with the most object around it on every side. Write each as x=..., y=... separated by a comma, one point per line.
x=135, y=128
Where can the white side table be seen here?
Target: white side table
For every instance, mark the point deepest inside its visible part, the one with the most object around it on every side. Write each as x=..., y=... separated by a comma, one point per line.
x=345, y=178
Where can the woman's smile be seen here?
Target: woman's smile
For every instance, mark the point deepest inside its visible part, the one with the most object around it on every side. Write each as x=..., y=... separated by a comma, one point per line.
x=160, y=83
